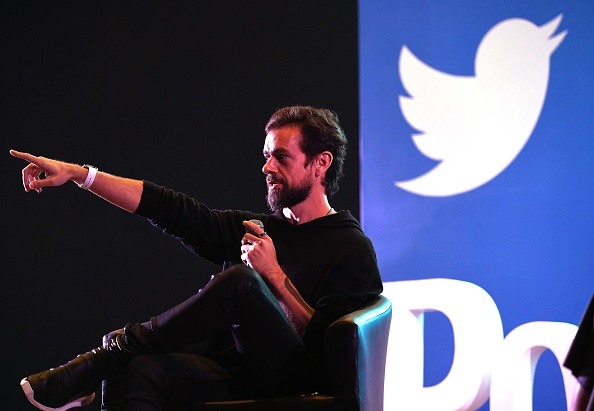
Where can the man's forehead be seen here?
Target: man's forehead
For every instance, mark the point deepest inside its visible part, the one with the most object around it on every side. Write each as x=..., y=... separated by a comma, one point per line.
x=285, y=138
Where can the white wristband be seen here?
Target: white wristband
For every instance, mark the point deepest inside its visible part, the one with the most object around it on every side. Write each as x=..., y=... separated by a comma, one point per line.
x=90, y=177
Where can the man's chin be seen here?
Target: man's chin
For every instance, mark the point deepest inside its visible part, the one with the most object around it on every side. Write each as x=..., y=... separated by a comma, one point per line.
x=272, y=203
x=278, y=198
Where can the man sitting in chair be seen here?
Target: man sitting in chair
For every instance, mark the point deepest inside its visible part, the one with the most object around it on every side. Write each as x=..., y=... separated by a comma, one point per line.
x=305, y=267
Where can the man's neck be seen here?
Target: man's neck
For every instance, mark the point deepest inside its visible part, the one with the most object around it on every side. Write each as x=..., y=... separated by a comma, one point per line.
x=307, y=211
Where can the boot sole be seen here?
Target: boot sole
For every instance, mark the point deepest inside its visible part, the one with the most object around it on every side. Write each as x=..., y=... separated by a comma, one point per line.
x=79, y=402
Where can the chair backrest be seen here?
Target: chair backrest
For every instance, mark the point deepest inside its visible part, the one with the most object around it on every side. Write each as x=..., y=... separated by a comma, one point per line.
x=356, y=347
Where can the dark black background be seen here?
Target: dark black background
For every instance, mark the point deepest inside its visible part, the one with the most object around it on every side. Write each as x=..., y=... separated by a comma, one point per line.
x=174, y=92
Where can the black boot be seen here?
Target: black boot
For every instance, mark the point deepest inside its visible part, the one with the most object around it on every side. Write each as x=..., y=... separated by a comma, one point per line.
x=110, y=388
x=74, y=383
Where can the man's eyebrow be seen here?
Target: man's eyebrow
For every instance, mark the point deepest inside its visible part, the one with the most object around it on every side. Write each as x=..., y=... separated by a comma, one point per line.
x=276, y=151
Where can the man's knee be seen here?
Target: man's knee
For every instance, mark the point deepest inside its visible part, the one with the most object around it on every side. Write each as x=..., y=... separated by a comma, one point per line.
x=240, y=275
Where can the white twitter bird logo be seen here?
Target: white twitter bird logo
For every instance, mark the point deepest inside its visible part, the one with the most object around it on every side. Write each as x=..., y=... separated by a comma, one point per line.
x=476, y=126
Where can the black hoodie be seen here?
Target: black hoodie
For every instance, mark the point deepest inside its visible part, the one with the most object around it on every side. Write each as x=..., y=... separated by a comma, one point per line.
x=329, y=260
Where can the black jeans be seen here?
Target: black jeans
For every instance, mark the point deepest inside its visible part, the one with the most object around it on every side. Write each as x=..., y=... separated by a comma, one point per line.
x=269, y=358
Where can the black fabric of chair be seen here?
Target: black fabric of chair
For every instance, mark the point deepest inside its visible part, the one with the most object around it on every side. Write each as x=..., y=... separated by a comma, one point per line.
x=356, y=346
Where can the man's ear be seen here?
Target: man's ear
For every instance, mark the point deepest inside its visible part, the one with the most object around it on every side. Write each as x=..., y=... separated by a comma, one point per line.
x=323, y=161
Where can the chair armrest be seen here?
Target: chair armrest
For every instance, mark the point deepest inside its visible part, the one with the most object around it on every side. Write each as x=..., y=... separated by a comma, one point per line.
x=356, y=347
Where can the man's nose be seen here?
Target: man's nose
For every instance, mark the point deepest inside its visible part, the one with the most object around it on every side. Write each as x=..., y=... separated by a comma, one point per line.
x=268, y=167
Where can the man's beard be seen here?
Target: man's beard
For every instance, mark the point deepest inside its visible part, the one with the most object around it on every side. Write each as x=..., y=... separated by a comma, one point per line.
x=288, y=196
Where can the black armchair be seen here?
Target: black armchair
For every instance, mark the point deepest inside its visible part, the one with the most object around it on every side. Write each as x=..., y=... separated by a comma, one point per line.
x=356, y=346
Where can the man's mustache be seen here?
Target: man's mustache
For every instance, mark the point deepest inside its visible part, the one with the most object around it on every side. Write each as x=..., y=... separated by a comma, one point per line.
x=272, y=180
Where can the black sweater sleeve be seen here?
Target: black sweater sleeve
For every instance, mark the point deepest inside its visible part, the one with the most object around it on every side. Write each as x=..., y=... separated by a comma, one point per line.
x=212, y=234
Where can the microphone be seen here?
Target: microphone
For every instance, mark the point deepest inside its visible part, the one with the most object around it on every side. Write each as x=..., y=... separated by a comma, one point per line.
x=247, y=230
x=259, y=224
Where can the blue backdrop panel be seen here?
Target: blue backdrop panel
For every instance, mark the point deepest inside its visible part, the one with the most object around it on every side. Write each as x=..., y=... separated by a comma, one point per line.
x=478, y=166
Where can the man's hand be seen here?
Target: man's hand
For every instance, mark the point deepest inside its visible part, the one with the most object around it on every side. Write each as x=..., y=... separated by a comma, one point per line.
x=56, y=172
x=122, y=192
x=258, y=252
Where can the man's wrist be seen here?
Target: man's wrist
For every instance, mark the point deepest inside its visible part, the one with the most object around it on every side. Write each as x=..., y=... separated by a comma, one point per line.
x=91, y=173
x=77, y=173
